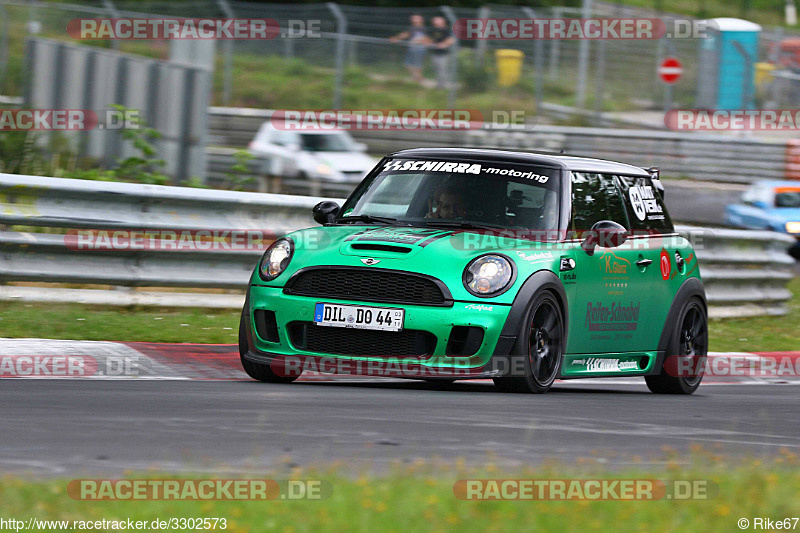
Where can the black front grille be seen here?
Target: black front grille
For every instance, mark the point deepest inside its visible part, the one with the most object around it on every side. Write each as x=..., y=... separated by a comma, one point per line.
x=347, y=341
x=370, y=285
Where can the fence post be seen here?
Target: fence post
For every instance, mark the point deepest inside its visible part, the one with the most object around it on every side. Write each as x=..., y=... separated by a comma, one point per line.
x=341, y=32
x=480, y=48
x=3, y=47
x=453, y=60
x=600, y=77
x=227, y=51
x=538, y=60
x=583, y=60
x=112, y=10
x=555, y=48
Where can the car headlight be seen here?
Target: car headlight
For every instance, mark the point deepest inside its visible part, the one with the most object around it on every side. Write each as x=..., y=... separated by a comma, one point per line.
x=793, y=227
x=488, y=275
x=324, y=169
x=276, y=259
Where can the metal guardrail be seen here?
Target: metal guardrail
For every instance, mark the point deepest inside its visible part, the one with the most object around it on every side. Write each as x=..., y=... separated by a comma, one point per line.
x=745, y=272
x=692, y=155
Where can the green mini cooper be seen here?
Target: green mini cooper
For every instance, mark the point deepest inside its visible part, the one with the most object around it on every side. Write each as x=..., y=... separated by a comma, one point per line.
x=448, y=264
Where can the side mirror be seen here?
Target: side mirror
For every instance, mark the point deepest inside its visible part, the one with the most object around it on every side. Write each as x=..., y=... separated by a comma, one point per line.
x=606, y=234
x=761, y=204
x=326, y=212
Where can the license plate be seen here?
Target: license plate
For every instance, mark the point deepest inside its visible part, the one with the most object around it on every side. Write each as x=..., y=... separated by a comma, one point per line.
x=358, y=317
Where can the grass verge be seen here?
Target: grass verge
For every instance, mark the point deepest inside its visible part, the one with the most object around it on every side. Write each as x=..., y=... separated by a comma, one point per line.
x=420, y=497
x=84, y=322
x=87, y=322
x=759, y=334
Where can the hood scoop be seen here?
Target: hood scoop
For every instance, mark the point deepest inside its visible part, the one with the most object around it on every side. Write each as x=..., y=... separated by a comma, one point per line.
x=367, y=247
x=379, y=250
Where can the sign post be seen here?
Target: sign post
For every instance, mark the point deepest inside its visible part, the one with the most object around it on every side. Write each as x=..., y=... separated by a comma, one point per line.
x=669, y=71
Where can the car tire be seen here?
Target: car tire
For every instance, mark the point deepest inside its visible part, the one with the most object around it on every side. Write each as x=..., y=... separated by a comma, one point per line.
x=541, y=343
x=688, y=339
x=258, y=371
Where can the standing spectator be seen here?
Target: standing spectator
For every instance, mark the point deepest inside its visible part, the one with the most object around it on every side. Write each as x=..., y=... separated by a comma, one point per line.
x=442, y=41
x=417, y=43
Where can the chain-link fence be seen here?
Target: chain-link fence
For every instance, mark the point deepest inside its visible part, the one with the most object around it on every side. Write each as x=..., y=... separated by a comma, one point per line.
x=349, y=61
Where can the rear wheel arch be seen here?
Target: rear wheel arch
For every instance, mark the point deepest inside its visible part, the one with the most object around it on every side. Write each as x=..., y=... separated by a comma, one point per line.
x=691, y=288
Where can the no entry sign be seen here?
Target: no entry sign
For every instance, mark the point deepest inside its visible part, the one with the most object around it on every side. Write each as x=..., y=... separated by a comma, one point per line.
x=670, y=70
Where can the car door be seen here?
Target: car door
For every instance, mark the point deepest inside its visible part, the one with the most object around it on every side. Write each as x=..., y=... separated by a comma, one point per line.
x=652, y=254
x=610, y=293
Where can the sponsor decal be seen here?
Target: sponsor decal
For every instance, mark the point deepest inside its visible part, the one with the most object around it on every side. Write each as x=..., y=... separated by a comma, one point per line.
x=479, y=307
x=609, y=365
x=579, y=362
x=569, y=278
x=535, y=256
x=432, y=166
x=399, y=235
x=666, y=265
x=518, y=174
x=616, y=317
x=644, y=203
x=399, y=165
x=613, y=264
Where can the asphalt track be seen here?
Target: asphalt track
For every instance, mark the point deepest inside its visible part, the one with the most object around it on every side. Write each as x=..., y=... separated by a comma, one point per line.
x=194, y=411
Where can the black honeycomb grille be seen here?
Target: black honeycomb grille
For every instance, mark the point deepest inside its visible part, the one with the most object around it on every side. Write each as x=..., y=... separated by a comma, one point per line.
x=347, y=341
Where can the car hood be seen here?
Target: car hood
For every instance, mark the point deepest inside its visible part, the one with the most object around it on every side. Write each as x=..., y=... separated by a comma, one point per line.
x=785, y=214
x=441, y=253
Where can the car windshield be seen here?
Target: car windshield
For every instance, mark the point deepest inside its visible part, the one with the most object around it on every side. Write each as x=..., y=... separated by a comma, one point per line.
x=787, y=197
x=327, y=142
x=454, y=194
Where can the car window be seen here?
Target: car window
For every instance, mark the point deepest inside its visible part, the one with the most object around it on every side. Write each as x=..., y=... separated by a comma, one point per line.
x=595, y=197
x=787, y=197
x=285, y=138
x=645, y=206
x=517, y=196
x=327, y=142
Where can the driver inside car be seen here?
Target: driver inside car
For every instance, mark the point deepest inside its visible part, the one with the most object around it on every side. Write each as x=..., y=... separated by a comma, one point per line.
x=447, y=202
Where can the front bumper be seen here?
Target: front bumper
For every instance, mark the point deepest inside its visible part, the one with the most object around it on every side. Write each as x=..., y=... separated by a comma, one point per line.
x=436, y=321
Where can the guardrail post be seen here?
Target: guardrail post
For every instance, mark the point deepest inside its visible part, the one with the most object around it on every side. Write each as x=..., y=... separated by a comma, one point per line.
x=341, y=32
x=227, y=52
